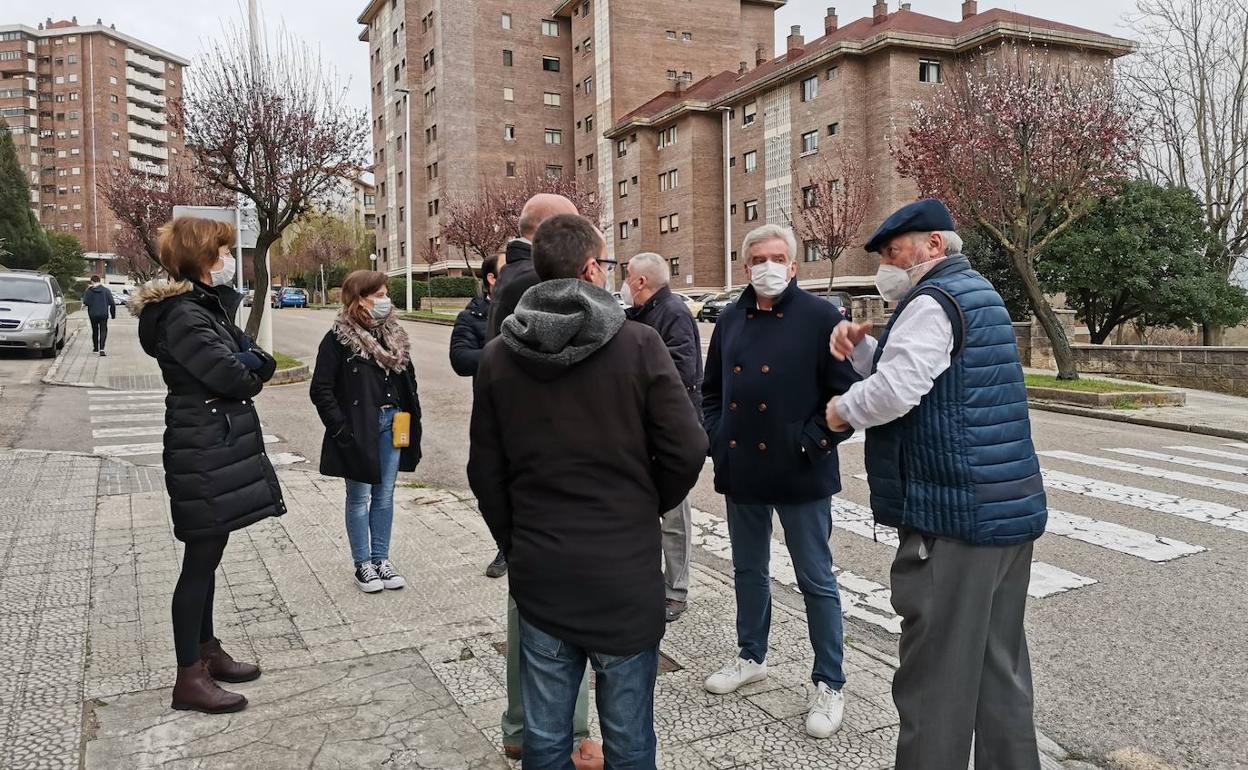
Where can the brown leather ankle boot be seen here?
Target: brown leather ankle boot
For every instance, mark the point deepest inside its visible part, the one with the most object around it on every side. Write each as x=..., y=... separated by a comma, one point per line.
x=195, y=690
x=222, y=667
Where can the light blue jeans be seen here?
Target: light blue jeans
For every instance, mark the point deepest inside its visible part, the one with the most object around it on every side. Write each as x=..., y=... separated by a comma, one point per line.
x=370, y=507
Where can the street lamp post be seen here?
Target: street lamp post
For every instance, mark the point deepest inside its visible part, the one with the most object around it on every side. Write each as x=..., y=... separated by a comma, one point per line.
x=726, y=112
x=407, y=180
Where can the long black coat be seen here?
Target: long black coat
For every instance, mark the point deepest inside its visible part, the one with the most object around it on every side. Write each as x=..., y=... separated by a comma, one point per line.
x=216, y=471
x=672, y=320
x=349, y=391
x=468, y=336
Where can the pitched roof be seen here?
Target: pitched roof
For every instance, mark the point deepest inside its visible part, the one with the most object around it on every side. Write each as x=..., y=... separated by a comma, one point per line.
x=707, y=89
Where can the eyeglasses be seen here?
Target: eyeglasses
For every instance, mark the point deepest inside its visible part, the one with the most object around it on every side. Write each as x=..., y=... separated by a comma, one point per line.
x=606, y=264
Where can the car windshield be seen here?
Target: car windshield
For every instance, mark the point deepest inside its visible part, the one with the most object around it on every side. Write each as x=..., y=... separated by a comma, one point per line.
x=24, y=290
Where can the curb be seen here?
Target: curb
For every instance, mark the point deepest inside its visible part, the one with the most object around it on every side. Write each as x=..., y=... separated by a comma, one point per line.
x=431, y=321
x=50, y=377
x=1147, y=422
x=291, y=375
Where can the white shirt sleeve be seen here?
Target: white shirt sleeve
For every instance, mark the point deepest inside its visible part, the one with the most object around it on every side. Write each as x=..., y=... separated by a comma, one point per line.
x=863, y=356
x=918, y=351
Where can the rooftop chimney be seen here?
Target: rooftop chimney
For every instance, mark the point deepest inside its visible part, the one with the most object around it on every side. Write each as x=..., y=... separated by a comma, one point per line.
x=969, y=9
x=760, y=55
x=75, y=20
x=744, y=68
x=829, y=21
x=880, y=12
x=905, y=6
x=796, y=43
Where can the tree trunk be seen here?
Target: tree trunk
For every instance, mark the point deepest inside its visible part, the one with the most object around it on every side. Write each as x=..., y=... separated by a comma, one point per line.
x=1212, y=335
x=260, y=302
x=1067, y=369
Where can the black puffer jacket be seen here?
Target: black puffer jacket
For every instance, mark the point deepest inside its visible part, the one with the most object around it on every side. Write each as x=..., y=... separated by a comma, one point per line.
x=468, y=337
x=218, y=476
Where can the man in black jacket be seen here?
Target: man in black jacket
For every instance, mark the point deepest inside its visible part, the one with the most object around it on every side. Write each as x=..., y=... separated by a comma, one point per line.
x=98, y=300
x=468, y=336
x=581, y=437
x=646, y=288
x=517, y=275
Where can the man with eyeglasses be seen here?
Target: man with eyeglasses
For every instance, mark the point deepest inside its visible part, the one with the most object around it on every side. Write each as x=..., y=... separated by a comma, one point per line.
x=582, y=436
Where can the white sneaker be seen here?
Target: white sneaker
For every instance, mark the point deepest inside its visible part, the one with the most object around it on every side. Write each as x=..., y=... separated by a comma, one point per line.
x=390, y=577
x=735, y=675
x=367, y=579
x=827, y=710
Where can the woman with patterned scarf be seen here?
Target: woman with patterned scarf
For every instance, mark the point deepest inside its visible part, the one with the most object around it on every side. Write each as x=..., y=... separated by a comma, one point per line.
x=364, y=377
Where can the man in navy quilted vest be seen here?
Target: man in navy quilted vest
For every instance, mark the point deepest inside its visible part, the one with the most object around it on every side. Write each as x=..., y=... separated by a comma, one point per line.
x=951, y=465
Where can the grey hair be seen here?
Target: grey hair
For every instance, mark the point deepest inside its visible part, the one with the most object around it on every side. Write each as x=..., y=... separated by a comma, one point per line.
x=652, y=266
x=953, y=241
x=768, y=233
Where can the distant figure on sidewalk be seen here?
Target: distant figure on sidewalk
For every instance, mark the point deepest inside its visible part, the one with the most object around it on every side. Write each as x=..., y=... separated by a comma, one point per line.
x=769, y=377
x=581, y=438
x=364, y=378
x=645, y=287
x=218, y=476
x=100, y=306
x=951, y=465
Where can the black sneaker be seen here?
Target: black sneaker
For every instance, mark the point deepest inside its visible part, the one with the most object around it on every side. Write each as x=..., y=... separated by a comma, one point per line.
x=498, y=567
x=390, y=577
x=367, y=579
x=674, y=608
x=102, y=353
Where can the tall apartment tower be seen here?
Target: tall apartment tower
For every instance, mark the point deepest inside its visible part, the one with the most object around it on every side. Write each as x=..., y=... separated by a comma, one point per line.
x=79, y=100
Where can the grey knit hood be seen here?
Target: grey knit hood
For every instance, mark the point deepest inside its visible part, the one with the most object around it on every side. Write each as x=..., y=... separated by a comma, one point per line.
x=560, y=323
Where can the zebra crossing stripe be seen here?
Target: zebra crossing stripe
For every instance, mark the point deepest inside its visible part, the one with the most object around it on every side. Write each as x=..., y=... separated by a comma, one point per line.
x=1176, y=460
x=135, y=450
x=1238, y=445
x=1205, y=512
x=126, y=392
x=1150, y=471
x=126, y=398
x=1046, y=579
x=1200, y=450
x=126, y=407
x=861, y=599
x=1116, y=537
x=130, y=432
x=156, y=417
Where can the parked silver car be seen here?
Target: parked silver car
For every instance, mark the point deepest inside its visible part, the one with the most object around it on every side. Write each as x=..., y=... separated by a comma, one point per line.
x=32, y=312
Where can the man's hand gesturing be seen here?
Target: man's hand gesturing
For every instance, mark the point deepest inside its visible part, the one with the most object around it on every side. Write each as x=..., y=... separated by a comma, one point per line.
x=846, y=336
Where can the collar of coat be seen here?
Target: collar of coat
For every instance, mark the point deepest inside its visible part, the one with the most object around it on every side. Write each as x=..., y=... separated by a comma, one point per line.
x=156, y=291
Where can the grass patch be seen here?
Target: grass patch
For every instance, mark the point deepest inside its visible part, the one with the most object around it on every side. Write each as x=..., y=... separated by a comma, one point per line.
x=1124, y=403
x=1085, y=385
x=286, y=362
x=415, y=485
x=430, y=315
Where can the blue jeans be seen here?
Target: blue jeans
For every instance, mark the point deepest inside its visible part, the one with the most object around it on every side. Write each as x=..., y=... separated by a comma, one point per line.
x=550, y=677
x=370, y=507
x=807, y=531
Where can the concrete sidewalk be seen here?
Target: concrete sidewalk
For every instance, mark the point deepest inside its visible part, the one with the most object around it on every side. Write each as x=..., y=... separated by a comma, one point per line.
x=126, y=367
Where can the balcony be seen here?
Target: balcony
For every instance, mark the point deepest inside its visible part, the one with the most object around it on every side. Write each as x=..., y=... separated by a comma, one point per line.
x=151, y=134
x=148, y=150
x=150, y=82
x=20, y=67
x=146, y=98
x=138, y=164
x=144, y=62
x=139, y=112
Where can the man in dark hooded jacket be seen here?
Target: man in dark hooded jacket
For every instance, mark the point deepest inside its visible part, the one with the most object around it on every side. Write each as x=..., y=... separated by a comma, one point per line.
x=100, y=305
x=577, y=515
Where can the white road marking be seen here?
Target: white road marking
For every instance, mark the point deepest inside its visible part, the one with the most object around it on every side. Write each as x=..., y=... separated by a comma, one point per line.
x=1217, y=514
x=1238, y=445
x=1148, y=470
x=1200, y=450
x=157, y=417
x=122, y=398
x=1116, y=537
x=861, y=599
x=126, y=392
x=135, y=450
x=287, y=458
x=138, y=430
x=1046, y=580
x=125, y=407
x=1175, y=459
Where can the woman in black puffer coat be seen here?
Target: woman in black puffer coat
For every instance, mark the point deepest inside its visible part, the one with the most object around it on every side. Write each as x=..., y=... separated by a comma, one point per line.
x=216, y=471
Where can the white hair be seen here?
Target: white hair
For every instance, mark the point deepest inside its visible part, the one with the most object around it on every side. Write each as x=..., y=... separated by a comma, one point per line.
x=768, y=233
x=953, y=241
x=653, y=266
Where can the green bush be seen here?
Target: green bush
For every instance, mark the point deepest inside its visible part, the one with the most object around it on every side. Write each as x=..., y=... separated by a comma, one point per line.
x=448, y=286
x=443, y=287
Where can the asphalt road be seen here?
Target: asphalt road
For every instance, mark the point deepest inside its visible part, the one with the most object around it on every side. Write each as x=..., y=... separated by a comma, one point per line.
x=1143, y=648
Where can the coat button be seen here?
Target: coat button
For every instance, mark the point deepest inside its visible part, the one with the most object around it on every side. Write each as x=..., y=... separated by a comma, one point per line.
x=355, y=402
x=749, y=316
x=732, y=445
x=762, y=407
x=736, y=370
x=355, y=369
x=766, y=369
x=732, y=407
x=823, y=442
x=214, y=411
x=762, y=447
x=780, y=315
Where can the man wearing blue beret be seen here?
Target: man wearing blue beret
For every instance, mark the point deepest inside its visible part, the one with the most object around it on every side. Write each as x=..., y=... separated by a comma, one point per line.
x=951, y=465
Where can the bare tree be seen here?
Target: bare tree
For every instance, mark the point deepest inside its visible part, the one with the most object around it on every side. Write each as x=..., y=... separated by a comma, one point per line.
x=478, y=223
x=535, y=178
x=1022, y=148
x=1191, y=79
x=274, y=126
x=836, y=196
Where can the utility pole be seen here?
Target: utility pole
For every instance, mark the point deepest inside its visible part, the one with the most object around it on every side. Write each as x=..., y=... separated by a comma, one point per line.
x=253, y=42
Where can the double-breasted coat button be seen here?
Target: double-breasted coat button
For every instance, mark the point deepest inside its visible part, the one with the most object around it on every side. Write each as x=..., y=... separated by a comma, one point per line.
x=762, y=447
x=766, y=369
x=732, y=445
x=823, y=442
x=736, y=369
x=780, y=315
x=762, y=407
x=355, y=402
x=732, y=407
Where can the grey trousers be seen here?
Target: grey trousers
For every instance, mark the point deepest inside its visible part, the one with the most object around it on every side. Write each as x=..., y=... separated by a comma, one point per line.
x=964, y=666
x=677, y=524
x=513, y=717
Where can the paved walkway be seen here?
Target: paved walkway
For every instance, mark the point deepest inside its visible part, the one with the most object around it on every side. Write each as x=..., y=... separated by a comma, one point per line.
x=126, y=367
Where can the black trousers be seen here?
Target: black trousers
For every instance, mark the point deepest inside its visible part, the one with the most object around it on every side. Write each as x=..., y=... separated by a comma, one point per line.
x=99, y=333
x=192, y=597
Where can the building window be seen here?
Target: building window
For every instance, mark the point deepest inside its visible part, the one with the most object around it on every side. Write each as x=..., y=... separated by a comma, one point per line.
x=621, y=148
x=664, y=224
x=550, y=63
x=667, y=137
x=506, y=21
x=585, y=9
x=671, y=34
x=751, y=160
x=554, y=136
x=686, y=36
x=732, y=209
x=833, y=73
x=428, y=59
x=623, y=187
x=687, y=76
x=810, y=88
x=72, y=58
x=808, y=197
x=508, y=94
x=810, y=142
x=506, y=58
x=509, y=133
x=589, y=85
x=624, y=231
x=929, y=71
x=589, y=162
x=554, y=172
x=587, y=44
x=751, y=211
x=733, y=256
x=112, y=80
x=589, y=124
x=431, y=97
x=552, y=99
x=550, y=28
x=834, y=129
x=511, y=169
x=675, y=223
x=672, y=74
x=811, y=252
x=749, y=114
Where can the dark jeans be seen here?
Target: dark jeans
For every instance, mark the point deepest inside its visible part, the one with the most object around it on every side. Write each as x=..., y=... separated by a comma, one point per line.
x=807, y=531
x=193, y=595
x=99, y=333
x=550, y=675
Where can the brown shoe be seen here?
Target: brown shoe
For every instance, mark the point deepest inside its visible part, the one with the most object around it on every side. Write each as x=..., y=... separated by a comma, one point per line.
x=222, y=667
x=195, y=690
x=588, y=756
x=513, y=752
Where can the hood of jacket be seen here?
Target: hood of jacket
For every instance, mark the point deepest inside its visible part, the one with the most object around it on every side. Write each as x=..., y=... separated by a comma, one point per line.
x=153, y=298
x=97, y=288
x=518, y=250
x=559, y=324
x=154, y=292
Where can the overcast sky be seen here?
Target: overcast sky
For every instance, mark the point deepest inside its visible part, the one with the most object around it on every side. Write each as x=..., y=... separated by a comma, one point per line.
x=330, y=25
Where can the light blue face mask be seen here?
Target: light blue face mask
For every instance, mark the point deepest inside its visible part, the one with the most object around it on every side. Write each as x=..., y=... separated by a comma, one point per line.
x=381, y=309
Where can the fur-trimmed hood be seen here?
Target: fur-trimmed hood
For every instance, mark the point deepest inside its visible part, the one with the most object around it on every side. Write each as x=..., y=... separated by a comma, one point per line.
x=157, y=291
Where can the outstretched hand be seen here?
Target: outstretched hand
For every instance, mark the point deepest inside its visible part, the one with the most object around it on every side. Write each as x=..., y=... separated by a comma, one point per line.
x=846, y=336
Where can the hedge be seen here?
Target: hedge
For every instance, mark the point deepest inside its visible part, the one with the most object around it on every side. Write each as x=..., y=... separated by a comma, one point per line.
x=443, y=287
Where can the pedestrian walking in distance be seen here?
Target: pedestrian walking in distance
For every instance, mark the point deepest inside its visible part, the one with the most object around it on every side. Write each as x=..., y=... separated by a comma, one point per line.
x=218, y=476
x=769, y=377
x=581, y=438
x=363, y=387
x=100, y=306
x=645, y=287
x=951, y=465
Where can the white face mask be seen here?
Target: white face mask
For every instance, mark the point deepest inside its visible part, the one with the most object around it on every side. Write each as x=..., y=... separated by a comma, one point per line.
x=626, y=293
x=894, y=283
x=381, y=309
x=769, y=279
x=224, y=276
